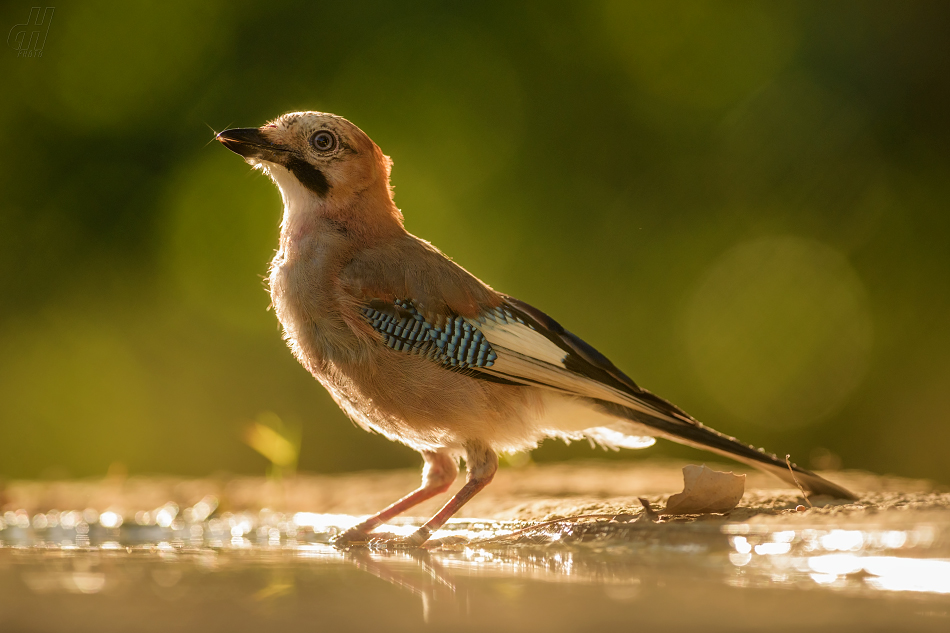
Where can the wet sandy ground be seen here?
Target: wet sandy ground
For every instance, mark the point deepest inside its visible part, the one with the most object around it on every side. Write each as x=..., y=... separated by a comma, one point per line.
x=235, y=554
x=531, y=493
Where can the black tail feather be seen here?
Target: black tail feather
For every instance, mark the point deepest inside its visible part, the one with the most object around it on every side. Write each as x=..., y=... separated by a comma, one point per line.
x=694, y=434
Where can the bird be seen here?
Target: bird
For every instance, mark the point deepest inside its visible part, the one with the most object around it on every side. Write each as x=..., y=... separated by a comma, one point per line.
x=412, y=346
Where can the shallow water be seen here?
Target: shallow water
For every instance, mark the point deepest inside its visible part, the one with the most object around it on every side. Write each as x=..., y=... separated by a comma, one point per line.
x=197, y=570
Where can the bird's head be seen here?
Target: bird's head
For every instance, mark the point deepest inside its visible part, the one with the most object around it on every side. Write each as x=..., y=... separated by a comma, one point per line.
x=318, y=161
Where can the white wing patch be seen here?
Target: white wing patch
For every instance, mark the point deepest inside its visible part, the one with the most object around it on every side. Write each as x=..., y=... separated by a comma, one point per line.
x=518, y=337
x=527, y=355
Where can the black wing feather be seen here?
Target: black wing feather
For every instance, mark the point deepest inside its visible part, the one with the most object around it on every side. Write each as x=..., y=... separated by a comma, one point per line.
x=583, y=359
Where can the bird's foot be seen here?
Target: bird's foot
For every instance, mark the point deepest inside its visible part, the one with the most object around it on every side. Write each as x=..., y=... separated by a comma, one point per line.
x=354, y=537
x=391, y=541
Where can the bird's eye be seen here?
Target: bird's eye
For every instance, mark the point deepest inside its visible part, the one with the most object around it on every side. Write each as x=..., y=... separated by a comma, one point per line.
x=323, y=141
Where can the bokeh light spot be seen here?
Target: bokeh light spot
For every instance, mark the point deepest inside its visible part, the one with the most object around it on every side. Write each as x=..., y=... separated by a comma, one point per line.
x=779, y=331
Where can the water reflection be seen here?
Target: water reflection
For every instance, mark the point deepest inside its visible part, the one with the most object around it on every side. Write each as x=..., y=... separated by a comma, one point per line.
x=866, y=559
x=67, y=551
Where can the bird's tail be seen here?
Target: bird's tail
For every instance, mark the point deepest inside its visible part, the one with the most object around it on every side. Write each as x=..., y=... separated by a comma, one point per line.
x=692, y=433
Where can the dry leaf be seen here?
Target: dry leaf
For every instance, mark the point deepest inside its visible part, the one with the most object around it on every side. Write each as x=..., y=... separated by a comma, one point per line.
x=706, y=490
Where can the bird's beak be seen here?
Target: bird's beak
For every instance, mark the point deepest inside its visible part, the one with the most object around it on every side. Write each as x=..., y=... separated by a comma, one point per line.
x=250, y=142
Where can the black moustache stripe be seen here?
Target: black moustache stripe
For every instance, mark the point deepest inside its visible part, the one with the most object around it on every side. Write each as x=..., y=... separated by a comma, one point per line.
x=308, y=175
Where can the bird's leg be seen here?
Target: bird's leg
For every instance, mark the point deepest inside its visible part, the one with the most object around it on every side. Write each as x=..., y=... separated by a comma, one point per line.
x=481, y=463
x=438, y=474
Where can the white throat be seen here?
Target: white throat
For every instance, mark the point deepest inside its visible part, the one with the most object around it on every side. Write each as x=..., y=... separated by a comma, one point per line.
x=300, y=204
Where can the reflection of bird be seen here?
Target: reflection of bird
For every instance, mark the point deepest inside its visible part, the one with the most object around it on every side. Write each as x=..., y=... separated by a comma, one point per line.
x=412, y=346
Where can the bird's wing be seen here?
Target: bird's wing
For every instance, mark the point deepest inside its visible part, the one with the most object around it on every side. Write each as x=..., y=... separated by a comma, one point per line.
x=514, y=343
x=511, y=343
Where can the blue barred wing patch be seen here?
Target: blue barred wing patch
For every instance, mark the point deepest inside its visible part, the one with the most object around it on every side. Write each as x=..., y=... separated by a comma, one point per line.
x=453, y=341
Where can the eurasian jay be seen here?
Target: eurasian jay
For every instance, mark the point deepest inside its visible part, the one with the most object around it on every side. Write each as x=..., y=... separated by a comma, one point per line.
x=411, y=345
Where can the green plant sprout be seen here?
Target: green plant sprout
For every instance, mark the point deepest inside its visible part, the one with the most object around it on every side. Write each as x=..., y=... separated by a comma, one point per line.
x=276, y=440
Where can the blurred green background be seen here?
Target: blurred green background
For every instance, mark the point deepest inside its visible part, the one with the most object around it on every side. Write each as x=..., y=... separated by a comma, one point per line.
x=743, y=204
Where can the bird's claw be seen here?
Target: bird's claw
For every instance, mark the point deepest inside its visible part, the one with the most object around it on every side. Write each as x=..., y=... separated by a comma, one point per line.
x=390, y=541
x=358, y=538
x=350, y=538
